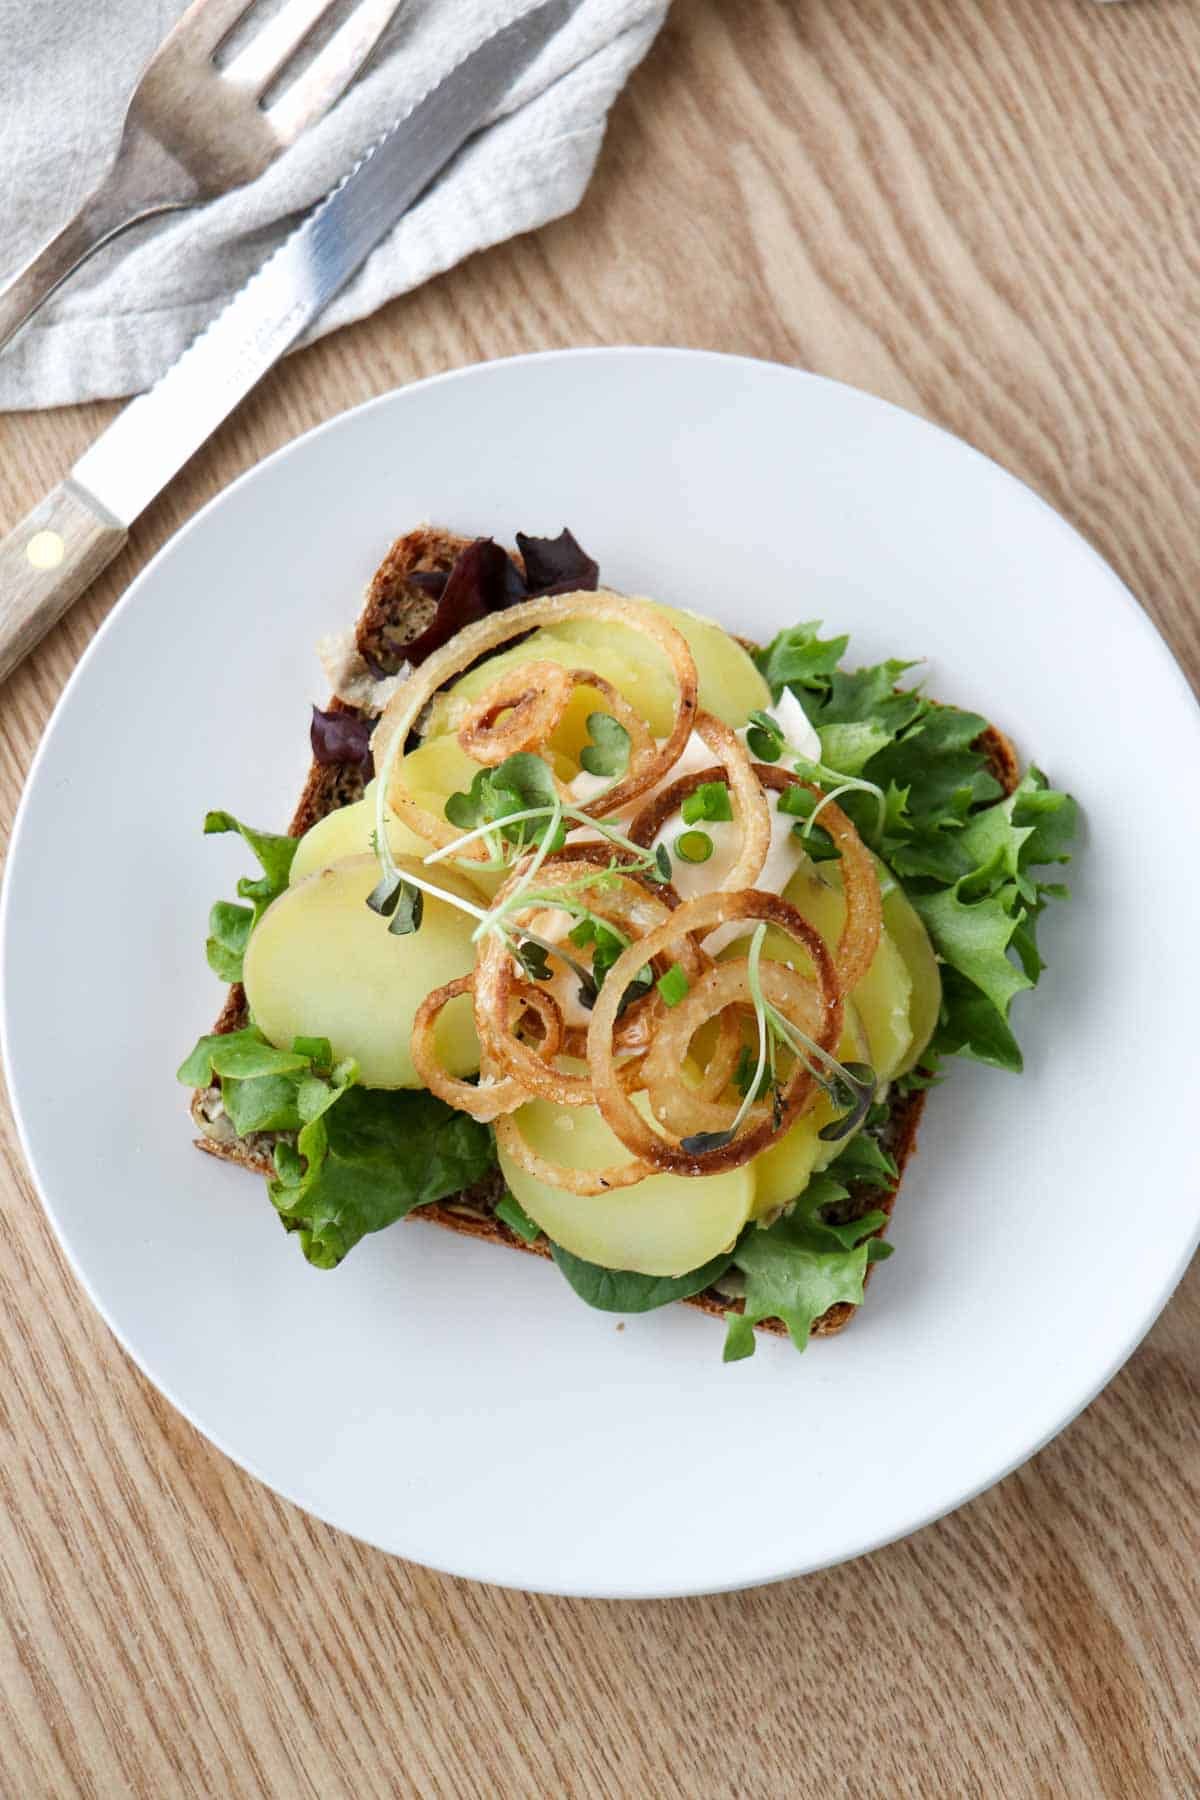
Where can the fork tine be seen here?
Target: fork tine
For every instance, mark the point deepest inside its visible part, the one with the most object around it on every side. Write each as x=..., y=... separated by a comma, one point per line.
x=205, y=23
x=332, y=71
x=257, y=64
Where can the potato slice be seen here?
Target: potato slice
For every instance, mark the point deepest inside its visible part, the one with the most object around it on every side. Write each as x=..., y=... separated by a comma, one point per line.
x=730, y=685
x=885, y=991
x=347, y=832
x=665, y=1225
x=907, y=930
x=650, y=690
x=320, y=963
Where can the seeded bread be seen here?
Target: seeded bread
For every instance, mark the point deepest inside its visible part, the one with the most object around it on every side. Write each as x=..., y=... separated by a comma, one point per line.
x=395, y=611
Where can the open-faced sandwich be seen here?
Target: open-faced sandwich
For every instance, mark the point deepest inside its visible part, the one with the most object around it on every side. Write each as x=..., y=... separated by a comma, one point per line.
x=605, y=935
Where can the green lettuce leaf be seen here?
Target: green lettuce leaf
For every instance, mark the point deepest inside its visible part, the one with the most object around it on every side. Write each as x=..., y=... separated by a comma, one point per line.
x=624, y=1291
x=971, y=1026
x=869, y=696
x=244, y=1054
x=973, y=936
x=362, y=1157
x=966, y=857
x=265, y=1089
x=863, y=1163
x=798, y=658
x=274, y=854
x=267, y=1103
x=935, y=761
x=229, y=926
x=370, y=1157
x=809, y=1260
x=793, y=1275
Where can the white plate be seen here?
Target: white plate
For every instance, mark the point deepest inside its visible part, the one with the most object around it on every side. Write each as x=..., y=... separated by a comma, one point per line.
x=454, y=1403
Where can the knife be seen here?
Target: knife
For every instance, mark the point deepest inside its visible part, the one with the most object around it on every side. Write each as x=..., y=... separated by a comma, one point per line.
x=61, y=546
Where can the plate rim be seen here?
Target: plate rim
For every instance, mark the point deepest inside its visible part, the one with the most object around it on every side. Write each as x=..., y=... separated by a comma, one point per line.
x=462, y=1568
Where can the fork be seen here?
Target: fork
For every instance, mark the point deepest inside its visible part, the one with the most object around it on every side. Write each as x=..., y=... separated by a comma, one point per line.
x=194, y=130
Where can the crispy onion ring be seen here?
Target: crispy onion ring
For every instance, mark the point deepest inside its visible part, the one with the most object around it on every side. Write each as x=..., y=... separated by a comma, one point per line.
x=491, y=1098
x=625, y=901
x=750, y=806
x=474, y=641
x=859, y=940
x=532, y=697
x=682, y=1109
x=700, y=916
x=725, y=1052
x=585, y=1182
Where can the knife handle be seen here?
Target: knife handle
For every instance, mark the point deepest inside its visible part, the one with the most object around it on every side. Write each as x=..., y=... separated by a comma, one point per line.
x=46, y=562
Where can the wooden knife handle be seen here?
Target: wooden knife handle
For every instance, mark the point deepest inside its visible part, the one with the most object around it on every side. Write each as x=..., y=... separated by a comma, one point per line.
x=46, y=562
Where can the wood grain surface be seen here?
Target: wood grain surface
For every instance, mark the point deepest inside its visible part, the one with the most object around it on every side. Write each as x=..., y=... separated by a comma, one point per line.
x=987, y=211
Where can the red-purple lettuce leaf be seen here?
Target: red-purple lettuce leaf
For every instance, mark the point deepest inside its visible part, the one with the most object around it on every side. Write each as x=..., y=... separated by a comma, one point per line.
x=556, y=565
x=485, y=579
x=342, y=738
x=482, y=580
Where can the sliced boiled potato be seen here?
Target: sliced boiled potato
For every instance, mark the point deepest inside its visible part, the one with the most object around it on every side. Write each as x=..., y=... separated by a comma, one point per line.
x=649, y=691
x=320, y=963
x=905, y=928
x=783, y=1171
x=885, y=991
x=729, y=684
x=437, y=768
x=348, y=832
x=665, y=1225
x=908, y=933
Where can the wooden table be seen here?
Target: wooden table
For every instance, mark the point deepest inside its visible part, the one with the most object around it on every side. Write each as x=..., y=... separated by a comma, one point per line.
x=985, y=210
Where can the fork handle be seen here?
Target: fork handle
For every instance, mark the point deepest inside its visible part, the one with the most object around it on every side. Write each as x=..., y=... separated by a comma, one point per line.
x=46, y=562
x=109, y=210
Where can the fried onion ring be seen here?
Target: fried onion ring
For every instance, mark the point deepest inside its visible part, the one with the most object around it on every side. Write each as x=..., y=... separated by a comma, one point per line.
x=532, y=698
x=718, y=1072
x=682, y=1109
x=474, y=641
x=624, y=900
x=525, y=706
x=700, y=916
x=492, y=1097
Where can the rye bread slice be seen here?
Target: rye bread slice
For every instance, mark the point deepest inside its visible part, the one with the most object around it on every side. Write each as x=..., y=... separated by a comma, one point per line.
x=396, y=610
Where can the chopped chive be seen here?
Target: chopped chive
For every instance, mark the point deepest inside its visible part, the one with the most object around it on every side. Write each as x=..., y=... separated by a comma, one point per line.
x=694, y=846
x=673, y=985
x=710, y=801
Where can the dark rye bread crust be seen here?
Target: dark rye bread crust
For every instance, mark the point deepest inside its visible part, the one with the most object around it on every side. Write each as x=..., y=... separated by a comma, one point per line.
x=394, y=612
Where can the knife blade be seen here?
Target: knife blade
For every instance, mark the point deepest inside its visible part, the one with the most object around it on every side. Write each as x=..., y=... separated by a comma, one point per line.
x=62, y=545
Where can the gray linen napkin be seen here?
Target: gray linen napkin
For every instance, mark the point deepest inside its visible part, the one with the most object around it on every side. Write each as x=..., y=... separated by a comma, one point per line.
x=66, y=71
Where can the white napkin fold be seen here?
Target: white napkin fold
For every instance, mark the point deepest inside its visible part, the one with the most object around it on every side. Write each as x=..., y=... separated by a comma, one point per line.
x=66, y=71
